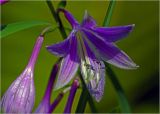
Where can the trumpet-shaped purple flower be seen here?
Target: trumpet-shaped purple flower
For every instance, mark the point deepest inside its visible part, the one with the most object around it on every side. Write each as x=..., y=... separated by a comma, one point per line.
x=88, y=46
x=19, y=98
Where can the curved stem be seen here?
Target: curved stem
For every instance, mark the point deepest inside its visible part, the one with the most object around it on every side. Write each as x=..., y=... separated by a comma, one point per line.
x=85, y=96
x=57, y=19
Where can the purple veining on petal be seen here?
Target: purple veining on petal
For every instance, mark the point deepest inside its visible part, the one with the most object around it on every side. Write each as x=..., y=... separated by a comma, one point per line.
x=97, y=92
x=121, y=60
x=44, y=106
x=20, y=96
x=69, y=17
x=69, y=66
x=35, y=51
x=110, y=53
x=73, y=90
x=99, y=45
x=113, y=34
x=61, y=49
x=97, y=82
x=88, y=21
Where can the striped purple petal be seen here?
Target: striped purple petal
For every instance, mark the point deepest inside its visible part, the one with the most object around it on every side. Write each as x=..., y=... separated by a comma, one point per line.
x=88, y=21
x=69, y=17
x=69, y=66
x=113, y=34
x=61, y=49
x=19, y=98
x=109, y=52
x=93, y=72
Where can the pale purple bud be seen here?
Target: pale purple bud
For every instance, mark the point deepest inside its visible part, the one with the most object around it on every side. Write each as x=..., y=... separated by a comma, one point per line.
x=73, y=90
x=44, y=106
x=19, y=98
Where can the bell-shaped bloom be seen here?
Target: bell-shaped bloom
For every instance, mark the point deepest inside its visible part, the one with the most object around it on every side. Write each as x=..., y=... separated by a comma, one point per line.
x=73, y=90
x=19, y=98
x=3, y=1
x=88, y=45
x=44, y=106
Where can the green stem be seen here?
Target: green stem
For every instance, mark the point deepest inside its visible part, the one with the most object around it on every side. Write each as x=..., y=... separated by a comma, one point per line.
x=57, y=19
x=109, y=13
x=124, y=105
x=85, y=96
x=82, y=101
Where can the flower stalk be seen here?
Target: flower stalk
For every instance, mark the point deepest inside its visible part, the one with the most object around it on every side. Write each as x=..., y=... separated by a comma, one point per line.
x=73, y=90
x=58, y=99
x=57, y=19
x=44, y=106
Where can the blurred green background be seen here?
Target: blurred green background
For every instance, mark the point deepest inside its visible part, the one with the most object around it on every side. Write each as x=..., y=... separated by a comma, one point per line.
x=142, y=45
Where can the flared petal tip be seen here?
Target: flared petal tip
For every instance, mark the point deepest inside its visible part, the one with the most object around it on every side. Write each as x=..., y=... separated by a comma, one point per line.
x=86, y=14
x=53, y=51
x=130, y=27
x=133, y=66
x=49, y=48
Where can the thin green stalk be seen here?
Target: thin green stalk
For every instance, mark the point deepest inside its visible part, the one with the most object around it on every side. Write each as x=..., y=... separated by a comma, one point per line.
x=123, y=102
x=109, y=13
x=57, y=19
x=85, y=96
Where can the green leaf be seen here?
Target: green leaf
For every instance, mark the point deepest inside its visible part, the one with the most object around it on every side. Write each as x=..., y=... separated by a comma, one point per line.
x=18, y=26
x=62, y=4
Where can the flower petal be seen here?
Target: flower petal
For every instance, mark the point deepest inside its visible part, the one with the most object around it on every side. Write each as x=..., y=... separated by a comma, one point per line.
x=61, y=49
x=69, y=17
x=69, y=66
x=93, y=72
x=19, y=98
x=98, y=92
x=88, y=21
x=113, y=34
x=110, y=53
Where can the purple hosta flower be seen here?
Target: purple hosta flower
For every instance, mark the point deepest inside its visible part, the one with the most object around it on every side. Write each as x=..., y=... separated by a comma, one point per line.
x=20, y=96
x=44, y=106
x=88, y=46
x=3, y=1
x=73, y=90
